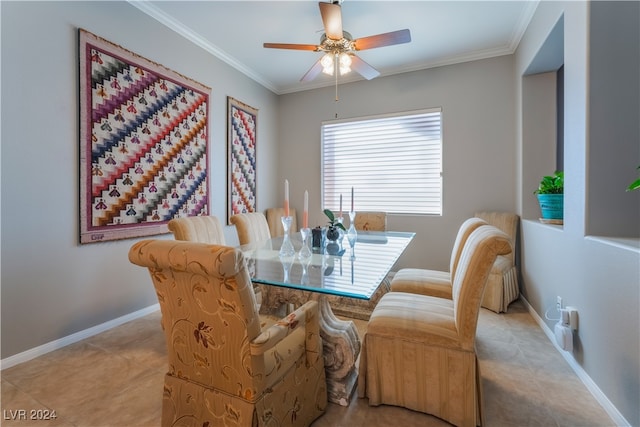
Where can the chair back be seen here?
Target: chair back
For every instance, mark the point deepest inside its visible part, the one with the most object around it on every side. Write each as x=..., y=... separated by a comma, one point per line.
x=251, y=227
x=209, y=312
x=371, y=221
x=273, y=216
x=202, y=229
x=464, y=232
x=478, y=255
x=505, y=221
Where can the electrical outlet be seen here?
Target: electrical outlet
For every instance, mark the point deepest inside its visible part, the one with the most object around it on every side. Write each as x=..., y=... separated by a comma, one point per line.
x=573, y=317
x=558, y=303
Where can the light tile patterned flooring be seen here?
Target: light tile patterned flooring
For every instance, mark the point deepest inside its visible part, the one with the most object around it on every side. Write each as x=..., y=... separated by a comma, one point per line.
x=115, y=379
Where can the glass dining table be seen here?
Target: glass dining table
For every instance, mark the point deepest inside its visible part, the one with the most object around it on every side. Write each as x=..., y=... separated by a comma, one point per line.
x=352, y=272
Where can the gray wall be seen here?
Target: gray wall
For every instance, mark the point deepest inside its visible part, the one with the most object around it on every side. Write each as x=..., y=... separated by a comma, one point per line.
x=600, y=276
x=614, y=119
x=478, y=108
x=53, y=287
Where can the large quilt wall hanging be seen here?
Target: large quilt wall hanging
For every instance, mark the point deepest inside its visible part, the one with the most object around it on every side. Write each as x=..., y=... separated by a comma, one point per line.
x=143, y=144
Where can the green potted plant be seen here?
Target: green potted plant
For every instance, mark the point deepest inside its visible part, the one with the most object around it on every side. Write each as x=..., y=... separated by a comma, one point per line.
x=334, y=224
x=550, y=194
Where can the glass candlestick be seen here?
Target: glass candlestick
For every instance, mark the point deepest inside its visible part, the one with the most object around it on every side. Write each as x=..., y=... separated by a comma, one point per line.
x=287, y=247
x=304, y=279
x=341, y=232
x=352, y=234
x=287, y=262
x=305, y=251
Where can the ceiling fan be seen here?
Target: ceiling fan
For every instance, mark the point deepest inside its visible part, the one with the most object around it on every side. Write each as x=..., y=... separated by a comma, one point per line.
x=339, y=46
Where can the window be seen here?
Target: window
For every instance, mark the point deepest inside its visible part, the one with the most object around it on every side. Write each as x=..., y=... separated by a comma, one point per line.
x=393, y=162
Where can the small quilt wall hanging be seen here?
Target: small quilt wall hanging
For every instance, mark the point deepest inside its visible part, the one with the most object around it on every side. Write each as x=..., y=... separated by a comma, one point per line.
x=241, y=149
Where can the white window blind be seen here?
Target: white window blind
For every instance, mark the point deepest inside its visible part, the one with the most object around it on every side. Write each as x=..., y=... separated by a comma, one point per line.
x=393, y=162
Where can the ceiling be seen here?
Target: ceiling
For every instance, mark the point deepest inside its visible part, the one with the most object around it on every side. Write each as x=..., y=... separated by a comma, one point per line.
x=442, y=33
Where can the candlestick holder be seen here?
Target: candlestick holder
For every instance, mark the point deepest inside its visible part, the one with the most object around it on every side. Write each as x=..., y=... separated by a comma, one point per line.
x=304, y=279
x=352, y=234
x=305, y=250
x=287, y=247
x=287, y=262
x=341, y=231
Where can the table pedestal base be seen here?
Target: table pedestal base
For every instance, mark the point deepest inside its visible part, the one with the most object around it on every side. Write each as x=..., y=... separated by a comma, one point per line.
x=341, y=343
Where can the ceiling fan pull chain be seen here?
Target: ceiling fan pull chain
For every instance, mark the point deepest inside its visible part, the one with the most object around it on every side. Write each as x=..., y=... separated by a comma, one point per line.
x=335, y=64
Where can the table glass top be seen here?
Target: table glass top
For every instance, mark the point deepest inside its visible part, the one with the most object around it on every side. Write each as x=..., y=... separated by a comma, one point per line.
x=354, y=273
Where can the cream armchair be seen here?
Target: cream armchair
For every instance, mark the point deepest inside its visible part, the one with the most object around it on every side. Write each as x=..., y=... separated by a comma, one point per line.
x=434, y=282
x=273, y=216
x=251, y=227
x=502, y=286
x=224, y=370
x=202, y=229
x=419, y=351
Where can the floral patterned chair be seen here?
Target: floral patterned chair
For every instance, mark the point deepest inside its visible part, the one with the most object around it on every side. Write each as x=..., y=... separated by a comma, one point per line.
x=370, y=221
x=202, y=229
x=224, y=370
x=419, y=351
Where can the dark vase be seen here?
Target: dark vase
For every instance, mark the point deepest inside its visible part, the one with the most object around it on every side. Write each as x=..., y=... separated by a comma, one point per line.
x=333, y=233
x=316, y=237
x=333, y=248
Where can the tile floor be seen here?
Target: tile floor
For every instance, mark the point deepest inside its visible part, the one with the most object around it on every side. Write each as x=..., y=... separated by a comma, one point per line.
x=115, y=379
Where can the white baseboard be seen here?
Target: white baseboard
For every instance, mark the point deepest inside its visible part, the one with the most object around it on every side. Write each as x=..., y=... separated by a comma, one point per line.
x=73, y=338
x=593, y=388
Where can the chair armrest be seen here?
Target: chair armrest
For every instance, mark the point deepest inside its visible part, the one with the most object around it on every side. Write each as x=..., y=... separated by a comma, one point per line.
x=306, y=315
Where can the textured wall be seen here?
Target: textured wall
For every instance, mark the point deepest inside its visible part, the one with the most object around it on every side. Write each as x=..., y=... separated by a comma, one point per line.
x=51, y=286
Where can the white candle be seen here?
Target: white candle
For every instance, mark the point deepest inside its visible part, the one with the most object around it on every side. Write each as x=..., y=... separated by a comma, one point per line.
x=305, y=214
x=286, y=197
x=340, y=205
x=352, y=200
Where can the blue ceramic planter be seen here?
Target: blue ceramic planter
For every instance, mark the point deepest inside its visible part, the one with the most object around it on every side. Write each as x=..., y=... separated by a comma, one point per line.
x=551, y=206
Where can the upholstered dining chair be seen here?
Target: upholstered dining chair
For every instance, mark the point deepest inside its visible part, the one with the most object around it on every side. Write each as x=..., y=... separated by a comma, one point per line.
x=251, y=227
x=224, y=370
x=434, y=282
x=419, y=351
x=202, y=229
x=370, y=221
x=273, y=216
x=502, y=286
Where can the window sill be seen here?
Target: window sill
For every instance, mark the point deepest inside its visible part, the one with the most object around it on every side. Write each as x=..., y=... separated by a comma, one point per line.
x=558, y=227
x=629, y=243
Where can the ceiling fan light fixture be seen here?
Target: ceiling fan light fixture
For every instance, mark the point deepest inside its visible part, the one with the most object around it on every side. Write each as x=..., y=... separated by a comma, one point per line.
x=345, y=63
x=327, y=64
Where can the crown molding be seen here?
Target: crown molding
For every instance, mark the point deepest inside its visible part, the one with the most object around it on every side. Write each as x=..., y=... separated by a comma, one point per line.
x=180, y=28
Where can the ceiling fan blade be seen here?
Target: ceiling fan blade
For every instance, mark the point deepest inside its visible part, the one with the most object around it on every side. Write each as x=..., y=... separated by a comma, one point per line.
x=332, y=20
x=291, y=46
x=385, y=39
x=313, y=72
x=364, y=69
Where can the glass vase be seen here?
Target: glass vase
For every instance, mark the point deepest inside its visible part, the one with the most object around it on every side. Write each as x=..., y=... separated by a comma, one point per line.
x=305, y=250
x=287, y=247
